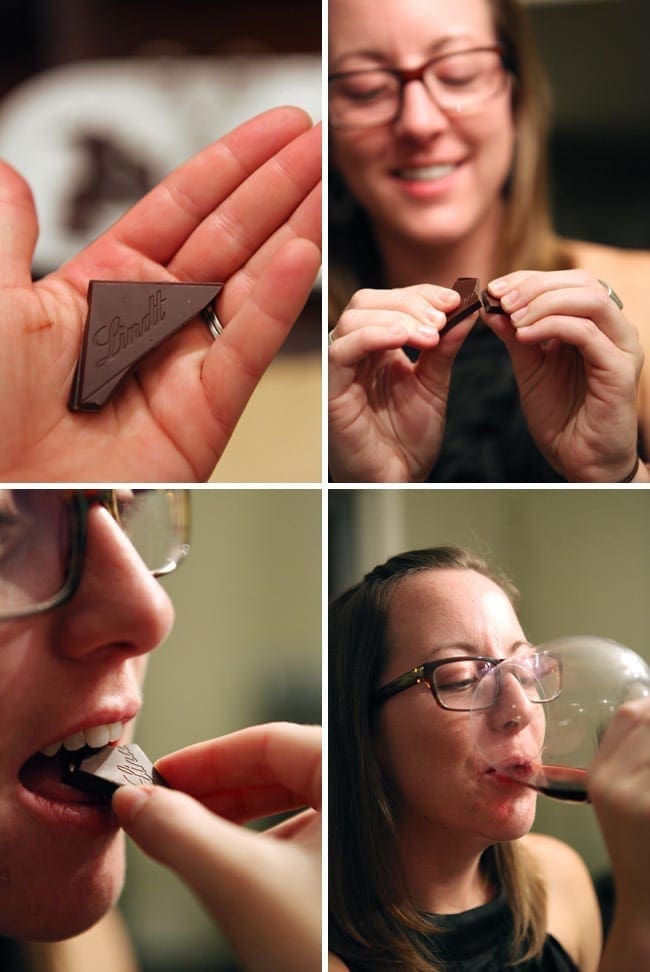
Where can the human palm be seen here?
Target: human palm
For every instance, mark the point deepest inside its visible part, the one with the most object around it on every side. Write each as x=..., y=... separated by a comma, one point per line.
x=246, y=211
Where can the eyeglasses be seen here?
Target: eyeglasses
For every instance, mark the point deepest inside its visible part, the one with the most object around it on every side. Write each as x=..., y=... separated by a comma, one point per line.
x=459, y=83
x=454, y=681
x=43, y=537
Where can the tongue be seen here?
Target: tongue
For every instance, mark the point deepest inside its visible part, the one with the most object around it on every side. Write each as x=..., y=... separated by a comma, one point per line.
x=43, y=776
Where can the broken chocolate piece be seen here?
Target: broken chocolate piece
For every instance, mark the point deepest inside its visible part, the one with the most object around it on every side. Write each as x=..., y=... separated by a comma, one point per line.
x=104, y=770
x=467, y=287
x=490, y=304
x=127, y=320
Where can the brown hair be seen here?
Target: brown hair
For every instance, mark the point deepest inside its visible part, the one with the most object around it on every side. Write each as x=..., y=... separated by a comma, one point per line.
x=374, y=924
x=528, y=240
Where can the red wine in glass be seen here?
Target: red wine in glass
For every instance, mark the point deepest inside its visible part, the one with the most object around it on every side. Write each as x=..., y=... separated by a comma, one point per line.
x=560, y=782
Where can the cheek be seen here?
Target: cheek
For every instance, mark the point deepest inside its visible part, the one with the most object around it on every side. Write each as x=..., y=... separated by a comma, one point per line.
x=355, y=155
x=417, y=754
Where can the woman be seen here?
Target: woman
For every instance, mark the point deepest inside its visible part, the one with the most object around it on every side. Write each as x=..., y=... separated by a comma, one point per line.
x=437, y=133
x=80, y=611
x=431, y=863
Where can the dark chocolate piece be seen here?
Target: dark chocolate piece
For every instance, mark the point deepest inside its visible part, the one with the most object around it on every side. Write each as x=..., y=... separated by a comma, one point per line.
x=104, y=770
x=467, y=287
x=127, y=320
x=490, y=304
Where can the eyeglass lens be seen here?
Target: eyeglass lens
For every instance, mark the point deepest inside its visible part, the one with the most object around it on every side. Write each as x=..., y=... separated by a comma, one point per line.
x=474, y=684
x=155, y=521
x=458, y=82
x=40, y=530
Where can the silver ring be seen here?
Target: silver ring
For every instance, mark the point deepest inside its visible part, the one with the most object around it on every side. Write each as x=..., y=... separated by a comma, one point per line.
x=611, y=293
x=330, y=338
x=213, y=322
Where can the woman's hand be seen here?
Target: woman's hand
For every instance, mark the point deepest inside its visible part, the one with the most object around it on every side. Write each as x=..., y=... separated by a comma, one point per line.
x=619, y=788
x=245, y=211
x=577, y=361
x=262, y=889
x=386, y=412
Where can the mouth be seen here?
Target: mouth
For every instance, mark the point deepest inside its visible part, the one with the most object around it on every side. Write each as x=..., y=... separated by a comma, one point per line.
x=43, y=772
x=515, y=770
x=426, y=173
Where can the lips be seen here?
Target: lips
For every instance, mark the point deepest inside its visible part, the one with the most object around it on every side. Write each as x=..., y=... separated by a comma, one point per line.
x=41, y=773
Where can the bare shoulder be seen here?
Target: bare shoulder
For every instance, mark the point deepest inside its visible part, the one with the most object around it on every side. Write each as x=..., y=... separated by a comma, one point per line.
x=334, y=964
x=624, y=270
x=572, y=908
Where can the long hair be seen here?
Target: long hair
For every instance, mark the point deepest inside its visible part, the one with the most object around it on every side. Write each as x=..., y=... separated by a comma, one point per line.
x=528, y=240
x=374, y=923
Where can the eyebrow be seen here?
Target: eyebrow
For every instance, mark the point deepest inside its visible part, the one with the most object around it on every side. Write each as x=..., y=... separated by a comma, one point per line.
x=379, y=57
x=466, y=648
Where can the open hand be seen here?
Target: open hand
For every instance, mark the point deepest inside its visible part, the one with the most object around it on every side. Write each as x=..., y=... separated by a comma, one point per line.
x=245, y=211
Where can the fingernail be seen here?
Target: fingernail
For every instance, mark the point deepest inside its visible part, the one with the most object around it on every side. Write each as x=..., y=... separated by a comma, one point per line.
x=519, y=315
x=510, y=300
x=427, y=330
x=498, y=287
x=447, y=296
x=437, y=316
x=129, y=800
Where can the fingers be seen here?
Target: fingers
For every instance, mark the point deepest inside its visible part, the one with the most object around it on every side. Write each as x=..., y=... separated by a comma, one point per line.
x=421, y=310
x=235, y=363
x=158, y=226
x=18, y=229
x=282, y=757
x=250, y=883
x=252, y=213
x=541, y=304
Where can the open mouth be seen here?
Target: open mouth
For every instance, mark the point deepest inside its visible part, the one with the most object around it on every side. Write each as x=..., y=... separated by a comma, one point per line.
x=44, y=776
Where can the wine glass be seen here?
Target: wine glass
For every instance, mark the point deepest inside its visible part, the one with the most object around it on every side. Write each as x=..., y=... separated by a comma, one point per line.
x=539, y=716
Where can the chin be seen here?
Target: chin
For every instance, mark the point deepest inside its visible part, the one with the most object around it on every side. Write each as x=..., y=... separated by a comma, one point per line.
x=51, y=900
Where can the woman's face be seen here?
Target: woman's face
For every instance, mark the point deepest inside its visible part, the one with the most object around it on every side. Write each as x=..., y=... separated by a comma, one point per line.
x=78, y=667
x=424, y=178
x=443, y=786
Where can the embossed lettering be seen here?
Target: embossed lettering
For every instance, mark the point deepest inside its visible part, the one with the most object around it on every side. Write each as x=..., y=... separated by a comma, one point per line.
x=133, y=772
x=116, y=335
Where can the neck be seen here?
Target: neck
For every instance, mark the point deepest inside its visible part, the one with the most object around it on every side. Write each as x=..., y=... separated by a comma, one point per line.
x=444, y=877
x=408, y=261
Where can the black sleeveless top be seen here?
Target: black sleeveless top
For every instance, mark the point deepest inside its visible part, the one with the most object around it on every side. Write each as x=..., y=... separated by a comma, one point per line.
x=486, y=437
x=11, y=956
x=479, y=940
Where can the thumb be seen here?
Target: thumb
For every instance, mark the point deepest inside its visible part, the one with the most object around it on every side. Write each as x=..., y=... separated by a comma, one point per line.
x=206, y=851
x=263, y=893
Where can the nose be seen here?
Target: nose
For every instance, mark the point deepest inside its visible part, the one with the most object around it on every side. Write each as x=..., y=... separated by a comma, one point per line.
x=512, y=710
x=419, y=117
x=118, y=608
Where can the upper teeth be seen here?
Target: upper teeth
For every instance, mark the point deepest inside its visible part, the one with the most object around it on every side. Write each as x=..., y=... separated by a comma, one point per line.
x=96, y=736
x=427, y=172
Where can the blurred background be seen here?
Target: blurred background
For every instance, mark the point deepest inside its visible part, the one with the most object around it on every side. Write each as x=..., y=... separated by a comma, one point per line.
x=579, y=557
x=596, y=55
x=245, y=649
x=99, y=100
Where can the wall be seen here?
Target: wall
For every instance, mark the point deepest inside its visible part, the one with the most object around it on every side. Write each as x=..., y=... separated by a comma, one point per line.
x=245, y=649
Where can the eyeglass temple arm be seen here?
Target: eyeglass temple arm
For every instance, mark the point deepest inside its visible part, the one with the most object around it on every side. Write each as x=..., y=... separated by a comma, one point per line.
x=398, y=684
